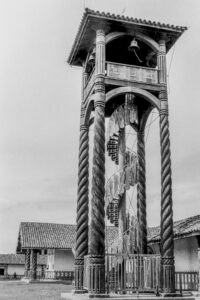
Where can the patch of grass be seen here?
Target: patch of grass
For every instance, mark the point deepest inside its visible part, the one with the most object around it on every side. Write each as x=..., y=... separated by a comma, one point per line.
x=17, y=290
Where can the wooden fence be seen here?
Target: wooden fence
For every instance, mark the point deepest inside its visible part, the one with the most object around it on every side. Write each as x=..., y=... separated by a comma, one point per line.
x=128, y=273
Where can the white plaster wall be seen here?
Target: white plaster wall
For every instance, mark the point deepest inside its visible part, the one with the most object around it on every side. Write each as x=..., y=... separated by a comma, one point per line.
x=63, y=260
x=18, y=269
x=185, y=252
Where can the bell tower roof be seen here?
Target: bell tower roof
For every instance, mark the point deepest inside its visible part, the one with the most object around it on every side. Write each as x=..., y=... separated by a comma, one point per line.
x=85, y=37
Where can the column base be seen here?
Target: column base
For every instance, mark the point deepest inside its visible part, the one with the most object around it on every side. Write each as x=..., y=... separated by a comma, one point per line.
x=164, y=295
x=98, y=296
x=168, y=276
x=79, y=273
x=79, y=291
x=96, y=275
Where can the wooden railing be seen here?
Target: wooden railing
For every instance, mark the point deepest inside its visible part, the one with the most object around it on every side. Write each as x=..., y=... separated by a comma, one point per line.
x=11, y=277
x=59, y=275
x=127, y=273
x=132, y=73
x=186, y=281
x=89, y=84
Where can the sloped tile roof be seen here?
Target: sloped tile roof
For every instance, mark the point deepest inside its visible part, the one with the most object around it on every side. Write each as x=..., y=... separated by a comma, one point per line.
x=19, y=259
x=62, y=236
x=51, y=236
x=182, y=228
x=177, y=30
x=134, y=20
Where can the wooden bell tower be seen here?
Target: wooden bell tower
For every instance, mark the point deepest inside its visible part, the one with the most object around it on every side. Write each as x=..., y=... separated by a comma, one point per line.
x=122, y=59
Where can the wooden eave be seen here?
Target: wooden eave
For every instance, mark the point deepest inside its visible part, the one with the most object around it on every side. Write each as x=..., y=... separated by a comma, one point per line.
x=86, y=34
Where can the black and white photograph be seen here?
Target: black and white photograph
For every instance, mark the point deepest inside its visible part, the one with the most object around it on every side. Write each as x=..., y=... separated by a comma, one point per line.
x=99, y=149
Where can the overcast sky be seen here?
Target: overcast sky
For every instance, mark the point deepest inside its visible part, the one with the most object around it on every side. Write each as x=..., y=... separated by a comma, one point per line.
x=40, y=106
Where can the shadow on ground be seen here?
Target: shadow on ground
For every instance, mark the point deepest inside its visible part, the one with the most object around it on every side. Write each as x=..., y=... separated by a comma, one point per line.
x=17, y=290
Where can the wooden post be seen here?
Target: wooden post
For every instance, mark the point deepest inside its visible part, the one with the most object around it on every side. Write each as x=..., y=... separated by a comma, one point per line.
x=97, y=226
x=141, y=194
x=167, y=240
x=27, y=262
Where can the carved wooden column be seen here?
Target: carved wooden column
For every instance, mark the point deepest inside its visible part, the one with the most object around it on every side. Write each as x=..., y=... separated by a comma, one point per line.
x=82, y=208
x=141, y=194
x=167, y=241
x=97, y=226
x=34, y=264
x=27, y=262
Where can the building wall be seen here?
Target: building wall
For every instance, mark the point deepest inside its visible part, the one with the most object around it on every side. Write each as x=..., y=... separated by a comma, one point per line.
x=185, y=252
x=18, y=269
x=63, y=260
x=60, y=260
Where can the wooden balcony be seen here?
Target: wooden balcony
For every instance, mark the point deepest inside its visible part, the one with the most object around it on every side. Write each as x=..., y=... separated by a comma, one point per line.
x=132, y=73
x=124, y=73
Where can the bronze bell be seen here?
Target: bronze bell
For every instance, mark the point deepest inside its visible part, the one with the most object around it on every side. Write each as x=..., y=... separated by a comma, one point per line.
x=133, y=45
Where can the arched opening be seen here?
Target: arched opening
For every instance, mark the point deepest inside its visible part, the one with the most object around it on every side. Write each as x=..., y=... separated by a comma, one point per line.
x=118, y=50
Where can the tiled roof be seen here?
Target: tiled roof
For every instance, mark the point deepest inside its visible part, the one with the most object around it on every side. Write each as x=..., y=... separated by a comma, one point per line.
x=19, y=259
x=62, y=236
x=182, y=228
x=177, y=30
x=134, y=20
x=51, y=236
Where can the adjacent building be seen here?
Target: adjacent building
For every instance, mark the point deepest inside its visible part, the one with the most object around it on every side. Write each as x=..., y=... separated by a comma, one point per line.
x=12, y=266
x=57, y=242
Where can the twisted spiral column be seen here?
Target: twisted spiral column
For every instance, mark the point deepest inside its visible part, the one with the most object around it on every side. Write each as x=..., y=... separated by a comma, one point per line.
x=34, y=265
x=27, y=262
x=97, y=226
x=167, y=241
x=82, y=208
x=141, y=194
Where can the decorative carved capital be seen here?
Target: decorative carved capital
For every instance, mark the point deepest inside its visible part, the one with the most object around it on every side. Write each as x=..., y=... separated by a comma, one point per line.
x=167, y=261
x=163, y=93
x=164, y=108
x=95, y=259
x=82, y=112
x=100, y=36
x=84, y=127
x=79, y=261
x=100, y=103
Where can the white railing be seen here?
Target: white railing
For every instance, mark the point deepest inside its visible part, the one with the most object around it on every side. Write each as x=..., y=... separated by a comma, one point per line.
x=132, y=73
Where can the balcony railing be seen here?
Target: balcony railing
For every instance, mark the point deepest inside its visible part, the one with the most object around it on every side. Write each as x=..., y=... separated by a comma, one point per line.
x=132, y=73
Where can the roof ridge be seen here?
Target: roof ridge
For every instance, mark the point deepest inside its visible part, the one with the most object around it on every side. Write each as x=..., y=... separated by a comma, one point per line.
x=28, y=222
x=128, y=18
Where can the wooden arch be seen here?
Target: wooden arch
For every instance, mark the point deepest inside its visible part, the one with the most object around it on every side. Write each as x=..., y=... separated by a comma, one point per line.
x=141, y=37
x=135, y=90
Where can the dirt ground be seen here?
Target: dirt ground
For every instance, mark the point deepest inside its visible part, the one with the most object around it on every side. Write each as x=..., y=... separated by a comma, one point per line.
x=17, y=290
